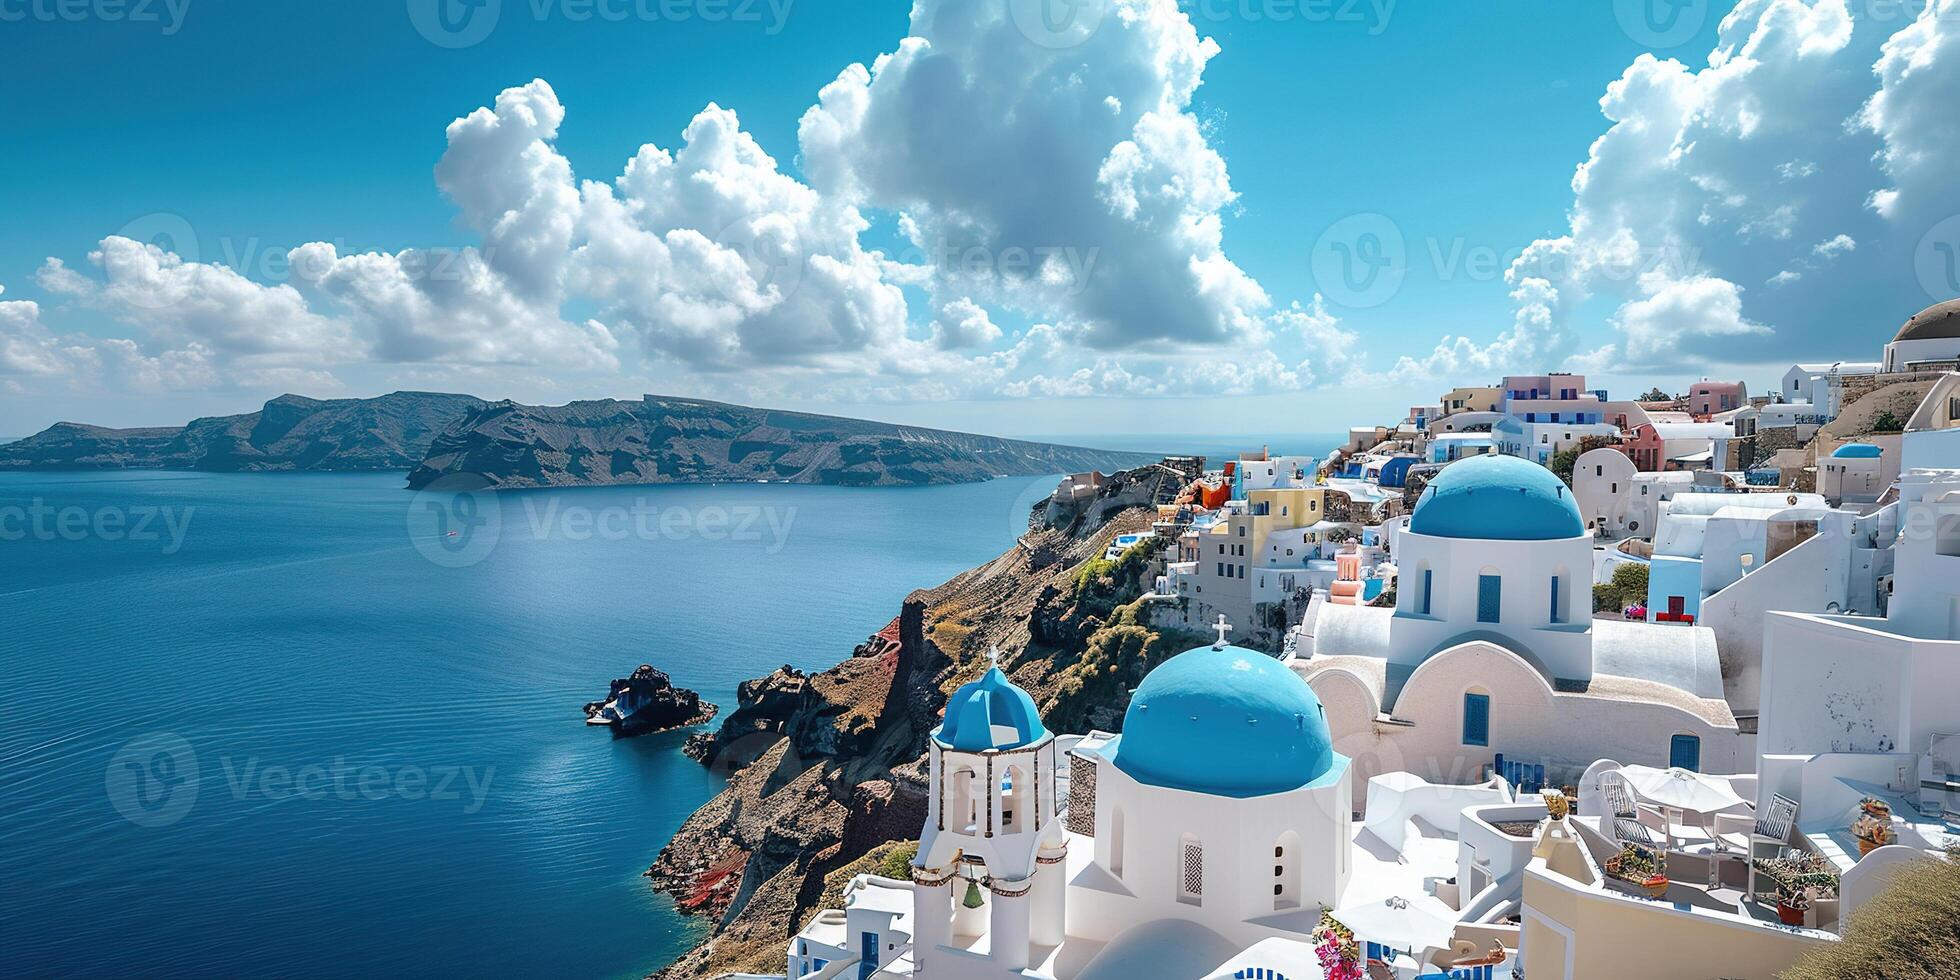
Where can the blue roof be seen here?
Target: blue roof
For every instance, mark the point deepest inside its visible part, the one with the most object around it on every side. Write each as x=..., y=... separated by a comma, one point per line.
x=1856, y=450
x=990, y=713
x=1497, y=498
x=1224, y=721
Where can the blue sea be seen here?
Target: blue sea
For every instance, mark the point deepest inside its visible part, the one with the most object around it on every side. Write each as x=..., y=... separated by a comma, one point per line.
x=321, y=726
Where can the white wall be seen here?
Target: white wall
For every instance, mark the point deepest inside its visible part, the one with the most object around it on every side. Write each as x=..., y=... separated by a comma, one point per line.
x=1526, y=570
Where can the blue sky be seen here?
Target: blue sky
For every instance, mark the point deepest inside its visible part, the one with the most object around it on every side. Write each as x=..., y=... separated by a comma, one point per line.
x=222, y=135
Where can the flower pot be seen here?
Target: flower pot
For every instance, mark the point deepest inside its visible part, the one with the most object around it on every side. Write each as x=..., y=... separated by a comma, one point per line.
x=1655, y=887
x=1788, y=914
x=1866, y=845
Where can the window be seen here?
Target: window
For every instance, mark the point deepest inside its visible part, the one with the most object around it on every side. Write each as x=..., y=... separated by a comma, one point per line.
x=1558, y=615
x=1428, y=588
x=1490, y=595
x=1476, y=719
x=1191, y=876
x=1684, y=752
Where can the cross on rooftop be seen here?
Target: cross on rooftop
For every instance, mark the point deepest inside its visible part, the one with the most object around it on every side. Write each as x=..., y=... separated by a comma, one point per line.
x=993, y=655
x=1223, y=628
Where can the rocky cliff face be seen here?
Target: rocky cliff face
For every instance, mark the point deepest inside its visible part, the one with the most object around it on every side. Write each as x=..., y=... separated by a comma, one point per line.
x=647, y=703
x=827, y=767
x=682, y=440
x=291, y=433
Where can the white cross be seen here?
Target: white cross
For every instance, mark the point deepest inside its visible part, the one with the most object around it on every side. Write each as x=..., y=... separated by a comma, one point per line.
x=993, y=656
x=1222, y=629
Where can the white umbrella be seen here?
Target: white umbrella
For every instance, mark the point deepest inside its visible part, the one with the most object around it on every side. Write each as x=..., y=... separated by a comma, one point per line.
x=1417, y=925
x=1680, y=789
x=1683, y=789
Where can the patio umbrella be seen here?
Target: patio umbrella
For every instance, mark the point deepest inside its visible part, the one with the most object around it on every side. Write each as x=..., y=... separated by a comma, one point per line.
x=1417, y=925
x=1680, y=789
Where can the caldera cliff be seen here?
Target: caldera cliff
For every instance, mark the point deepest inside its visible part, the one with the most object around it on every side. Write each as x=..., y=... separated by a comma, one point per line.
x=828, y=768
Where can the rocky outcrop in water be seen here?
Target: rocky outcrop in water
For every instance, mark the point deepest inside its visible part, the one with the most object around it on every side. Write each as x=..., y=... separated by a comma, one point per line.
x=684, y=440
x=291, y=433
x=648, y=703
x=828, y=767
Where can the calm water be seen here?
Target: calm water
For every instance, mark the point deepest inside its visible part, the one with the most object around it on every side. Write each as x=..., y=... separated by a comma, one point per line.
x=291, y=729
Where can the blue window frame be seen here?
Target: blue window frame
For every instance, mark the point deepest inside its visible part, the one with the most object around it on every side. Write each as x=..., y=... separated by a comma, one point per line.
x=868, y=956
x=1555, y=617
x=1428, y=588
x=1685, y=752
x=1476, y=719
x=1490, y=598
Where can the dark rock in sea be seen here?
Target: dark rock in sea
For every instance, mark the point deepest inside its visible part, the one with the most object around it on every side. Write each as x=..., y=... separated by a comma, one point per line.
x=685, y=440
x=648, y=703
x=290, y=434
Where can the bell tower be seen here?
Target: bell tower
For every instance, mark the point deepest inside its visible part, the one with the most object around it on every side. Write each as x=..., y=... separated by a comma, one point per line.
x=990, y=854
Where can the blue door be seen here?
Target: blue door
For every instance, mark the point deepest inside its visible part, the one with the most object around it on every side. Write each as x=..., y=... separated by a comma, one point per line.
x=1685, y=752
x=1490, y=596
x=1476, y=719
x=868, y=956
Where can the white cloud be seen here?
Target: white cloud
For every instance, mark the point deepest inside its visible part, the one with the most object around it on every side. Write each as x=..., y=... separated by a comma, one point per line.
x=962, y=323
x=992, y=145
x=182, y=302
x=1765, y=166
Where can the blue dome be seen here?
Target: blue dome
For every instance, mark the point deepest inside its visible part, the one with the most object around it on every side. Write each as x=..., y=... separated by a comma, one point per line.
x=990, y=713
x=1497, y=498
x=1225, y=721
x=1856, y=450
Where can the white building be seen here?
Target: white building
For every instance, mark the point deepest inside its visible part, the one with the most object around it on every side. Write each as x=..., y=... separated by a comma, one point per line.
x=1856, y=474
x=1619, y=501
x=1492, y=647
x=1821, y=385
x=1705, y=541
x=1929, y=341
x=1540, y=441
x=1932, y=436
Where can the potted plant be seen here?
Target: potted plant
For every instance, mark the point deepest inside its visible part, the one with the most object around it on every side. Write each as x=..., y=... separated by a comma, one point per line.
x=1557, y=805
x=1791, y=904
x=1873, y=826
x=1637, y=867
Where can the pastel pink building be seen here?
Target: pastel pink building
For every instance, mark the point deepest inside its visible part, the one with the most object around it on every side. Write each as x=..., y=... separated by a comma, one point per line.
x=1715, y=397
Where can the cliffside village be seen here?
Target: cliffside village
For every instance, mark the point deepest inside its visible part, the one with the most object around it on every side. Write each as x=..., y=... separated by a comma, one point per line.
x=1538, y=680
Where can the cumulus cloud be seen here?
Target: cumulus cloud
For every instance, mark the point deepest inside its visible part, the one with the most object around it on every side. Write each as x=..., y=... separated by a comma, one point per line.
x=1807, y=154
x=198, y=302
x=994, y=146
